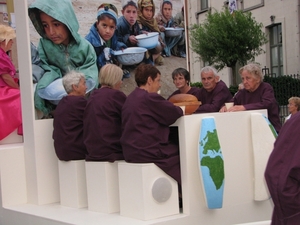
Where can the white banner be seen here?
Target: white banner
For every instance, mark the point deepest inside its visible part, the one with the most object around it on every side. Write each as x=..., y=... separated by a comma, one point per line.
x=232, y=6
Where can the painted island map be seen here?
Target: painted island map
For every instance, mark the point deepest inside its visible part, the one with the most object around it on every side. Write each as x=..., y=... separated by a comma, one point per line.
x=211, y=163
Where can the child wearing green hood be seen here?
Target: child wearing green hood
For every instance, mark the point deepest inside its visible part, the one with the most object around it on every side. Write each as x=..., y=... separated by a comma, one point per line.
x=61, y=48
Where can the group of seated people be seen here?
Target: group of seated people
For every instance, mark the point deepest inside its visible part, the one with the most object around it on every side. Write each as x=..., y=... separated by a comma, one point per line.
x=109, y=126
x=255, y=93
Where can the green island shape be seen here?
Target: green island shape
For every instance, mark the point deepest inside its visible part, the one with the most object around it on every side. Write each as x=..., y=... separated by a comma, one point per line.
x=212, y=142
x=216, y=169
x=215, y=165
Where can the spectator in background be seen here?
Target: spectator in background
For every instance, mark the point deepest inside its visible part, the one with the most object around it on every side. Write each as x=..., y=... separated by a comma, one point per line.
x=293, y=106
x=256, y=94
x=10, y=110
x=214, y=92
x=102, y=117
x=68, y=119
x=61, y=48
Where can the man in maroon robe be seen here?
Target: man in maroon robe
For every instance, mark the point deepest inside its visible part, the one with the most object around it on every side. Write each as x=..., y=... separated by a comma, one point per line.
x=146, y=117
x=283, y=174
x=214, y=92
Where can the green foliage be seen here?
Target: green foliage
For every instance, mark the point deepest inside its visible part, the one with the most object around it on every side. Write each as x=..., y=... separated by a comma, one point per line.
x=224, y=39
x=197, y=84
x=233, y=89
x=284, y=87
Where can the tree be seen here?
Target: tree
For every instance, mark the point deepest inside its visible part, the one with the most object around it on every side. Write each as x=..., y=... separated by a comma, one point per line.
x=225, y=39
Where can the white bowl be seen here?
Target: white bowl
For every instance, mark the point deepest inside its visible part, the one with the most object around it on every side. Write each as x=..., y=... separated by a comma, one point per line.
x=130, y=56
x=55, y=91
x=173, y=32
x=148, y=41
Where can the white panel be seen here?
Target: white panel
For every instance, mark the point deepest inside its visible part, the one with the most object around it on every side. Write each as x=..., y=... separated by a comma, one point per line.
x=13, y=180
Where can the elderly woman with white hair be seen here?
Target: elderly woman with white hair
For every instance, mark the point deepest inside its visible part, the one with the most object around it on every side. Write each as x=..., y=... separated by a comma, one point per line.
x=68, y=119
x=10, y=110
x=256, y=94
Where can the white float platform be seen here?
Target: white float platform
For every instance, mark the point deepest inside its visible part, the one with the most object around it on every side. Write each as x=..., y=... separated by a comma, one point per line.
x=268, y=222
x=39, y=195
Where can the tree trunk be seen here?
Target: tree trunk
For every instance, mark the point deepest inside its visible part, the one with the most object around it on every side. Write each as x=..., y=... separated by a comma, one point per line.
x=233, y=68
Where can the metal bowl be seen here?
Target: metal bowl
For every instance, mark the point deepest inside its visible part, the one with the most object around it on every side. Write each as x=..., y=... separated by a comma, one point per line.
x=173, y=32
x=55, y=91
x=148, y=41
x=130, y=56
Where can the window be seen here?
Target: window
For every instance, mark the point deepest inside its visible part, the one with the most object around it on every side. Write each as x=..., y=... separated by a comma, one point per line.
x=204, y=4
x=276, y=49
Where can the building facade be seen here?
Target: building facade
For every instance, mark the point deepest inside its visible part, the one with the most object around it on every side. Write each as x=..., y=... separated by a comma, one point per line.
x=280, y=19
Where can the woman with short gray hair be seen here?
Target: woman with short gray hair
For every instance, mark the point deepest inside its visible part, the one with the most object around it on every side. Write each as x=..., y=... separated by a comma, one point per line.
x=70, y=79
x=68, y=119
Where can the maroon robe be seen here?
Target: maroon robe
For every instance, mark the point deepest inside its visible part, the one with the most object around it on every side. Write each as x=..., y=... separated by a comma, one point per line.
x=283, y=174
x=146, y=118
x=102, y=125
x=262, y=98
x=213, y=101
x=68, y=128
x=193, y=91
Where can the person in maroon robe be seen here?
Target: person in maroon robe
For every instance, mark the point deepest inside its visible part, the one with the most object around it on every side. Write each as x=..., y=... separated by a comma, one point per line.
x=68, y=119
x=256, y=94
x=214, y=92
x=102, y=117
x=181, y=78
x=283, y=174
x=146, y=117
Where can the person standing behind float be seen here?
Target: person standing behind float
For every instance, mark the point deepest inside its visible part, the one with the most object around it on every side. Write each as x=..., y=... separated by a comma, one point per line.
x=10, y=110
x=102, y=117
x=147, y=23
x=282, y=174
x=165, y=19
x=214, y=92
x=181, y=79
x=293, y=106
x=103, y=36
x=256, y=94
x=68, y=119
x=146, y=117
x=61, y=48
